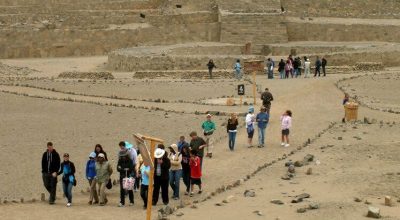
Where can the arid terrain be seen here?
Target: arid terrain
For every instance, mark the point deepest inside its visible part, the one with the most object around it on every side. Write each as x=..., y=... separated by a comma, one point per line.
x=361, y=164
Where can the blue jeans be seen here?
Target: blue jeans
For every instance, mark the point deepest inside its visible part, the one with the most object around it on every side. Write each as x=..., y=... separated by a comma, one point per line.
x=282, y=74
x=174, y=179
x=238, y=74
x=67, y=188
x=261, y=136
x=232, y=137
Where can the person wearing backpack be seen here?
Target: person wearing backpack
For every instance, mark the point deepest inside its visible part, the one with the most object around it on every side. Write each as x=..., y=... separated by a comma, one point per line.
x=267, y=98
x=67, y=168
x=126, y=169
x=175, y=173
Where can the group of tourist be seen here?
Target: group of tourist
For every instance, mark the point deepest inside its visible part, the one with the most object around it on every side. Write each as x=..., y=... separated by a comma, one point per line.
x=291, y=68
x=182, y=160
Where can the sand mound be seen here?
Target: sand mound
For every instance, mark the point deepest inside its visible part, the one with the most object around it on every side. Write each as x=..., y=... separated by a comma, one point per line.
x=15, y=71
x=86, y=75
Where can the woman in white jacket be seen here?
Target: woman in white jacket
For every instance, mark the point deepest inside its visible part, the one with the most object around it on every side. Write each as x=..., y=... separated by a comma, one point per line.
x=175, y=172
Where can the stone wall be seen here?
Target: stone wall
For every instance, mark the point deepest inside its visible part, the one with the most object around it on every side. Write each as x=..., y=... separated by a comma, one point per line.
x=123, y=62
x=186, y=18
x=72, y=42
x=255, y=28
x=308, y=31
x=343, y=8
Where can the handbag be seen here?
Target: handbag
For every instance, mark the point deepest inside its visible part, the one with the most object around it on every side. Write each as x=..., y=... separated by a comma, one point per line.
x=128, y=182
x=109, y=184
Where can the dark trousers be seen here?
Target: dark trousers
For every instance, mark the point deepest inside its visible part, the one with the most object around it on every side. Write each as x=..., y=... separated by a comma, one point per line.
x=144, y=190
x=137, y=183
x=123, y=193
x=317, y=70
x=210, y=72
x=186, y=178
x=162, y=184
x=323, y=70
x=50, y=183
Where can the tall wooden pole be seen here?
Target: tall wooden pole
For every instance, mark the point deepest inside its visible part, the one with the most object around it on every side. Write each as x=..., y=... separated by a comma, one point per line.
x=254, y=87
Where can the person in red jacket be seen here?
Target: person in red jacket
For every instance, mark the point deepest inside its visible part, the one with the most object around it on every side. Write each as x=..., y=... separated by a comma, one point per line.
x=195, y=171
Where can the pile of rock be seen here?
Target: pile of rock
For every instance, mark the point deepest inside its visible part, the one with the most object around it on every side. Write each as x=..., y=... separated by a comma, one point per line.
x=368, y=66
x=15, y=71
x=86, y=75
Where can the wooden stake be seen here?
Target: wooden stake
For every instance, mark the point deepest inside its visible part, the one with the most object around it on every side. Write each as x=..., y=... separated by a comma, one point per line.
x=241, y=100
x=254, y=87
x=153, y=142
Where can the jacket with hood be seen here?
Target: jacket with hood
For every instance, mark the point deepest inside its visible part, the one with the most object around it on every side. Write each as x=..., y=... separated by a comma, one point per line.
x=175, y=158
x=50, y=162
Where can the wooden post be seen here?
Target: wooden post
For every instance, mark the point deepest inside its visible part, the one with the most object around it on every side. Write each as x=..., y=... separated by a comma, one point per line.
x=153, y=142
x=254, y=87
x=241, y=100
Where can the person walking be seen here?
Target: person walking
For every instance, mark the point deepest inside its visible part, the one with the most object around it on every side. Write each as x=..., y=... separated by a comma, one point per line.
x=197, y=143
x=231, y=129
x=99, y=149
x=208, y=127
x=195, y=171
x=262, y=119
x=281, y=68
x=161, y=176
x=307, y=67
x=270, y=68
x=103, y=174
x=90, y=176
x=237, y=69
x=126, y=169
x=211, y=66
x=186, y=168
x=288, y=69
x=144, y=187
x=323, y=64
x=175, y=172
x=50, y=167
x=300, y=63
x=346, y=99
x=286, y=123
x=267, y=98
x=250, y=119
x=317, y=67
x=182, y=143
x=67, y=169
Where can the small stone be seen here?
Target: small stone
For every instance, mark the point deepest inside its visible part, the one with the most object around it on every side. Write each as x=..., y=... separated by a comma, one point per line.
x=356, y=199
x=249, y=193
x=277, y=202
x=309, y=158
x=218, y=204
x=297, y=200
x=286, y=177
x=179, y=214
x=340, y=138
x=388, y=201
x=367, y=202
x=313, y=206
x=259, y=213
x=373, y=212
x=229, y=199
x=193, y=206
x=303, y=196
x=298, y=164
x=301, y=210
x=309, y=171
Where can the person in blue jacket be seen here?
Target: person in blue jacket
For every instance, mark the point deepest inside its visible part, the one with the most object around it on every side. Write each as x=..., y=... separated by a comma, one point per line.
x=90, y=176
x=67, y=169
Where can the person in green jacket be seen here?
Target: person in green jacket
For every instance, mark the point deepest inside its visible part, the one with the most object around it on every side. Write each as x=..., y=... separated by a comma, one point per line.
x=208, y=129
x=103, y=174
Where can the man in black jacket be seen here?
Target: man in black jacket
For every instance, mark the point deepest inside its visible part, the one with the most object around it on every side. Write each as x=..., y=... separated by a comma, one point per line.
x=161, y=176
x=267, y=98
x=50, y=167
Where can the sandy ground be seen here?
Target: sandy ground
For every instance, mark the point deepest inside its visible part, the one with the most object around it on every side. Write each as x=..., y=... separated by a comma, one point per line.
x=28, y=123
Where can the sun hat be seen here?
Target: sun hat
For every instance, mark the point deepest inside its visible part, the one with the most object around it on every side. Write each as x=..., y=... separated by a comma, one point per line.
x=128, y=145
x=174, y=147
x=123, y=153
x=101, y=155
x=92, y=155
x=251, y=109
x=158, y=153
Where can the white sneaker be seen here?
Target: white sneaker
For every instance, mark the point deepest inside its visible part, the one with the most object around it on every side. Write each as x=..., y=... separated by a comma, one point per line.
x=283, y=144
x=68, y=204
x=120, y=205
x=287, y=145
